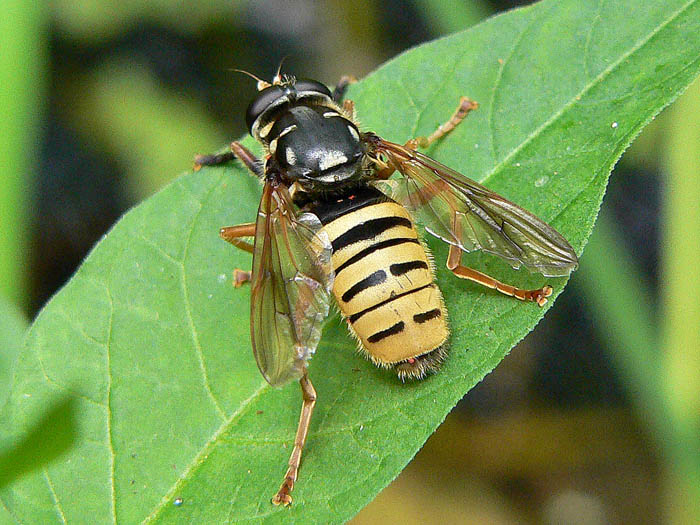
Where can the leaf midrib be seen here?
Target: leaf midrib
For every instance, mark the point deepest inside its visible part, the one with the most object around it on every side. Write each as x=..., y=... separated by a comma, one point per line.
x=225, y=425
x=500, y=166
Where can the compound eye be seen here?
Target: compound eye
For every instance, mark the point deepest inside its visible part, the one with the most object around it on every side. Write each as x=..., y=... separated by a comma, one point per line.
x=264, y=99
x=311, y=85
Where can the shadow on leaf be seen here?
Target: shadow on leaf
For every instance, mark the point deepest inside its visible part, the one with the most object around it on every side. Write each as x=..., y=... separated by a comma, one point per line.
x=51, y=437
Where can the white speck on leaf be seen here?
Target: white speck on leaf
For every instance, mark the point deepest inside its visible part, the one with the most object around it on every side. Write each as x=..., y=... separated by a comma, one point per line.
x=542, y=181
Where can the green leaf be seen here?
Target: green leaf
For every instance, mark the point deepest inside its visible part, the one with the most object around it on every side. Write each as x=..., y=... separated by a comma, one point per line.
x=151, y=340
x=13, y=325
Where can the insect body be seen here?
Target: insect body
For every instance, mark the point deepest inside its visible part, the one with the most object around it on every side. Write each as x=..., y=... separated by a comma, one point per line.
x=330, y=224
x=384, y=284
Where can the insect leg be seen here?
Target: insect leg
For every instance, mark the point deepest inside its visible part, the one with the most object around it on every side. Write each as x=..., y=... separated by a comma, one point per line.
x=233, y=234
x=212, y=160
x=253, y=163
x=349, y=109
x=238, y=151
x=309, y=396
x=240, y=277
x=454, y=257
x=465, y=106
x=342, y=86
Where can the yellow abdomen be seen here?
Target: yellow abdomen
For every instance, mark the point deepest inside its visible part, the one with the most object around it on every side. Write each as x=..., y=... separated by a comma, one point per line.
x=384, y=283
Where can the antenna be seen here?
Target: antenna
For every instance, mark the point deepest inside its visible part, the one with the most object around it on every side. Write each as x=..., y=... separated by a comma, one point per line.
x=278, y=78
x=262, y=84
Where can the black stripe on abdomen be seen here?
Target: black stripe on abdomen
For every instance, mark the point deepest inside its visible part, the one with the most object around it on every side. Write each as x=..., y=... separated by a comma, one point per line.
x=392, y=330
x=377, y=246
x=427, y=316
x=354, y=317
x=368, y=230
x=373, y=279
x=405, y=267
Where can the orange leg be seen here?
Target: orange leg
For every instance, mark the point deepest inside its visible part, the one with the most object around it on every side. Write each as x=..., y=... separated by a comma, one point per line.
x=385, y=173
x=309, y=400
x=246, y=157
x=349, y=108
x=233, y=235
x=538, y=296
x=240, y=277
x=465, y=106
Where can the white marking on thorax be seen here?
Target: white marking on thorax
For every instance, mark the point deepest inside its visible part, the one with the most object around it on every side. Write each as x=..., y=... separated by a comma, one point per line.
x=273, y=142
x=330, y=114
x=265, y=130
x=286, y=130
x=331, y=159
x=291, y=156
x=354, y=133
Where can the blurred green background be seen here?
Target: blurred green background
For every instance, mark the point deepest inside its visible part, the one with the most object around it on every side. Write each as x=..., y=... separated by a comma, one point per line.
x=595, y=417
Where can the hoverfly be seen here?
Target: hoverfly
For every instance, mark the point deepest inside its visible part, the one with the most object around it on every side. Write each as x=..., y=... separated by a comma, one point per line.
x=331, y=224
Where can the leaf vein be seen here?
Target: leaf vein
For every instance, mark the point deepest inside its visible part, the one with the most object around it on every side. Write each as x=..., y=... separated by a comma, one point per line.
x=416, y=109
x=495, y=90
x=110, y=437
x=188, y=311
x=71, y=321
x=199, y=458
x=587, y=45
x=61, y=386
x=54, y=496
x=4, y=506
x=159, y=249
x=597, y=80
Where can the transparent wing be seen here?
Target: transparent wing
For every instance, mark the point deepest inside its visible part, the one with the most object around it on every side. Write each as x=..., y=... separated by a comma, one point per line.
x=468, y=215
x=291, y=281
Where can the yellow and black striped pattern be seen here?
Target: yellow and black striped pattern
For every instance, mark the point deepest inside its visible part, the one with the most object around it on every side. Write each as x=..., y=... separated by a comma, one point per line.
x=384, y=284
